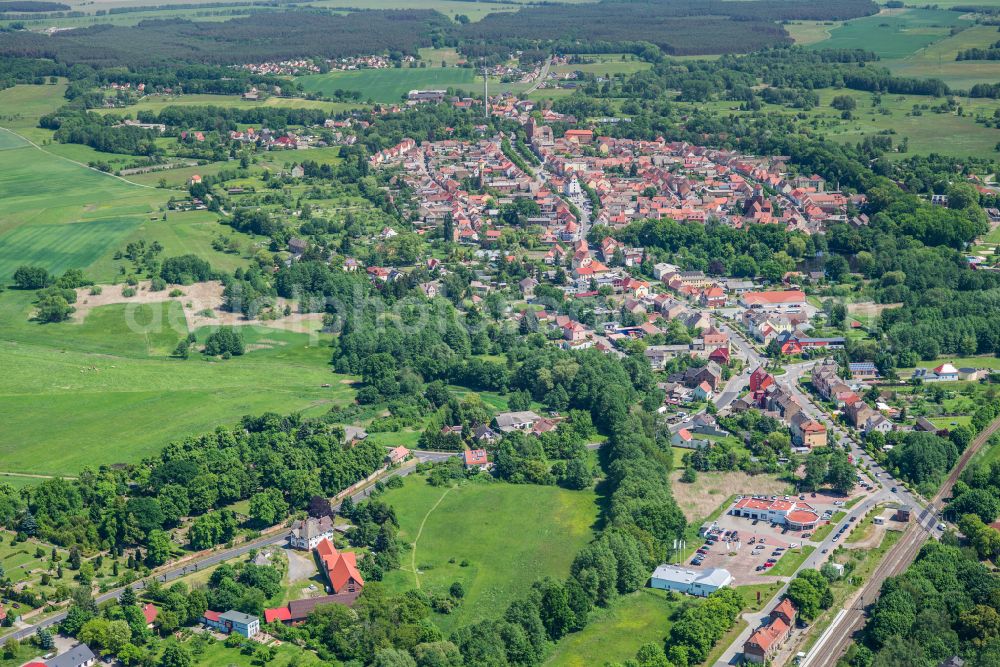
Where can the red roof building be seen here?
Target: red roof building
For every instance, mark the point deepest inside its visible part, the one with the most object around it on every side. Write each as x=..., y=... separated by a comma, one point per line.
x=760, y=380
x=341, y=568
x=150, y=612
x=720, y=355
x=477, y=458
x=277, y=614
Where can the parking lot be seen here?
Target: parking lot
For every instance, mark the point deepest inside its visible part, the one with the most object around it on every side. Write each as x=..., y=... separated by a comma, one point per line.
x=745, y=547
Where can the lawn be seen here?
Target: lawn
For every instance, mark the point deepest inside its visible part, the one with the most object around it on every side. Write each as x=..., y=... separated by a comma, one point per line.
x=104, y=391
x=750, y=593
x=615, y=634
x=388, y=85
x=790, y=562
x=508, y=535
x=61, y=215
x=217, y=654
x=66, y=246
x=820, y=533
x=893, y=33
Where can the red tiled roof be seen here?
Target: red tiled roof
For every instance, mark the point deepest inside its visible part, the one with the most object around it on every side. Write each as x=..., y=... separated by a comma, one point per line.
x=150, y=612
x=212, y=615
x=765, y=637
x=340, y=567
x=802, y=517
x=789, y=296
x=277, y=614
x=476, y=457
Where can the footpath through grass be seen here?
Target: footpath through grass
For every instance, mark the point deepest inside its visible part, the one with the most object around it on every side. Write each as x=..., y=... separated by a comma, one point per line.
x=507, y=536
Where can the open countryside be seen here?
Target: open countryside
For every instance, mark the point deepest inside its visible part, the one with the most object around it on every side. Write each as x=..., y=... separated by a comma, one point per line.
x=676, y=347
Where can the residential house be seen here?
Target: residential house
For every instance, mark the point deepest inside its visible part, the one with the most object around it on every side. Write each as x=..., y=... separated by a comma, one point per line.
x=397, y=455
x=150, y=612
x=508, y=422
x=760, y=380
x=476, y=458
x=703, y=392
x=78, y=656
x=232, y=621
x=483, y=434
x=683, y=438
x=306, y=535
x=807, y=432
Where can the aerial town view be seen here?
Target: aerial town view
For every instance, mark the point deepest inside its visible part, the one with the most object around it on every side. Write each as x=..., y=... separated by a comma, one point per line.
x=499, y=333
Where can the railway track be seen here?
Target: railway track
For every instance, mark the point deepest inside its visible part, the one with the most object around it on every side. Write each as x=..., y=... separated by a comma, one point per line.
x=839, y=636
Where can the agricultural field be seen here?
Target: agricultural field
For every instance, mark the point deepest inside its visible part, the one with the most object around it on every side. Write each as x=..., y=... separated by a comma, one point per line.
x=388, y=85
x=156, y=103
x=893, y=33
x=62, y=215
x=615, y=634
x=508, y=536
x=104, y=390
x=938, y=60
x=810, y=32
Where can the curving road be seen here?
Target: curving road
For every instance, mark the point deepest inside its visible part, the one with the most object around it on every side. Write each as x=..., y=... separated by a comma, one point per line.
x=173, y=573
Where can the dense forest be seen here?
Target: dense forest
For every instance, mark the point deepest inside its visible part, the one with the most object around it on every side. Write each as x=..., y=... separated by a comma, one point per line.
x=680, y=28
x=945, y=604
x=32, y=6
x=271, y=36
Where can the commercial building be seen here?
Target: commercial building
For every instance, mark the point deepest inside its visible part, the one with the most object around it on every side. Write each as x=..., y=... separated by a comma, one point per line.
x=795, y=515
x=701, y=583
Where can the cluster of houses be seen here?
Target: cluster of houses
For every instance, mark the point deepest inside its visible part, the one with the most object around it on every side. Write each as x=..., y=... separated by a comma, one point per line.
x=293, y=67
x=827, y=382
x=778, y=401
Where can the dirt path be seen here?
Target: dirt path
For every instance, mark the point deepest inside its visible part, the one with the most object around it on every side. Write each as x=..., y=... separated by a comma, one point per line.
x=199, y=305
x=413, y=552
x=79, y=164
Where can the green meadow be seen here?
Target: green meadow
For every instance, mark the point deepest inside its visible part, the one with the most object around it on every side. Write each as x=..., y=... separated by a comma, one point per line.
x=105, y=390
x=927, y=132
x=474, y=523
x=615, y=634
x=388, y=85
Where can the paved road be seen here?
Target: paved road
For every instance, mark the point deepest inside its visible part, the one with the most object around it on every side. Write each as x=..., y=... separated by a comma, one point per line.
x=923, y=526
x=734, y=653
x=174, y=573
x=839, y=635
x=541, y=77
